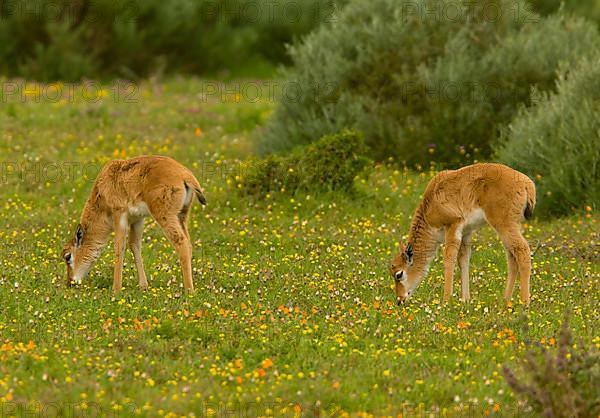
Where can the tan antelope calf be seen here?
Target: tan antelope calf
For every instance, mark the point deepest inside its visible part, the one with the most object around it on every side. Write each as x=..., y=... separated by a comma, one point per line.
x=124, y=193
x=455, y=204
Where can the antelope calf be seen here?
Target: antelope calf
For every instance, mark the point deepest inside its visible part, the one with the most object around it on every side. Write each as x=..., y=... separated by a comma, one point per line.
x=455, y=204
x=124, y=193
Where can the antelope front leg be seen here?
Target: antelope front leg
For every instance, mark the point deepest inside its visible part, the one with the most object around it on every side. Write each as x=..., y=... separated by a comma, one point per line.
x=513, y=270
x=135, y=245
x=451, y=247
x=120, y=236
x=464, y=256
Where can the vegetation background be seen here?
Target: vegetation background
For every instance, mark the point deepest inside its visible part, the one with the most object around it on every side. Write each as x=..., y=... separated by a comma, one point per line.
x=314, y=127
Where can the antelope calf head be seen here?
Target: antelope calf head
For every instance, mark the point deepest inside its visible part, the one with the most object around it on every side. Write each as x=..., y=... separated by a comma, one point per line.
x=78, y=257
x=405, y=280
x=69, y=254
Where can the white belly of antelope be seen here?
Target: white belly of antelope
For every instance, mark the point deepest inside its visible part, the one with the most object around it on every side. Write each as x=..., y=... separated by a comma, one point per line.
x=474, y=220
x=138, y=210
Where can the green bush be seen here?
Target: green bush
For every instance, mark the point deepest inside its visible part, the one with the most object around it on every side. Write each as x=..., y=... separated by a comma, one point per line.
x=562, y=383
x=261, y=177
x=331, y=163
x=557, y=142
x=70, y=40
x=423, y=86
x=586, y=8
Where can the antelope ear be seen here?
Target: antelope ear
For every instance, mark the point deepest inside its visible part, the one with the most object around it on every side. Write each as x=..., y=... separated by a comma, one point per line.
x=409, y=254
x=78, y=236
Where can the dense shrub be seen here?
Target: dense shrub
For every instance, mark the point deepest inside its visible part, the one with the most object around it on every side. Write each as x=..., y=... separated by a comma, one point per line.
x=66, y=39
x=557, y=142
x=587, y=8
x=331, y=163
x=422, y=85
x=561, y=383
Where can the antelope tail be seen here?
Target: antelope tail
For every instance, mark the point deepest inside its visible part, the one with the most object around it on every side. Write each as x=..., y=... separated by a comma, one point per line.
x=530, y=189
x=192, y=183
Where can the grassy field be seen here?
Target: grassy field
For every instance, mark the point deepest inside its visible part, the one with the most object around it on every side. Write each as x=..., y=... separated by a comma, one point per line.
x=293, y=313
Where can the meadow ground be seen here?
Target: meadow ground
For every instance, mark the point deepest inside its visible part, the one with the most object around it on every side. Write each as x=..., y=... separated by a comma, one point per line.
x=293, y=313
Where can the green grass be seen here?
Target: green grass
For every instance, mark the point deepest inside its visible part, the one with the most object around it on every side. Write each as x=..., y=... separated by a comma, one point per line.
x=293, y=313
